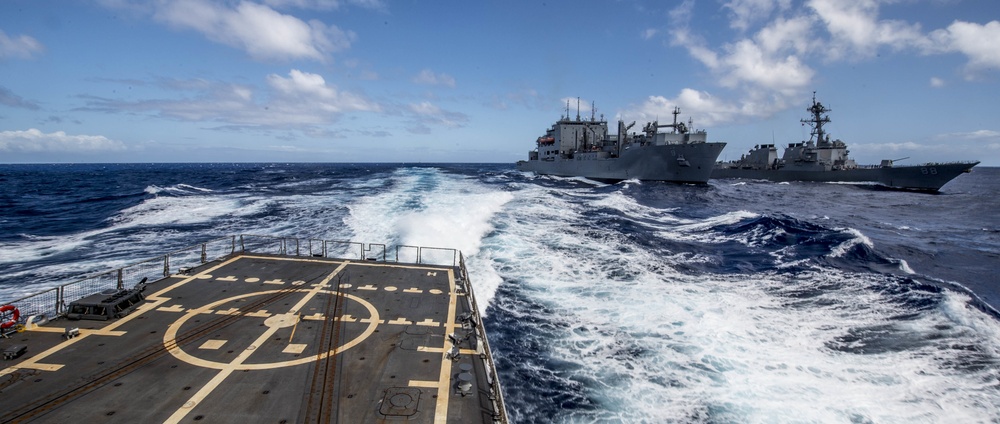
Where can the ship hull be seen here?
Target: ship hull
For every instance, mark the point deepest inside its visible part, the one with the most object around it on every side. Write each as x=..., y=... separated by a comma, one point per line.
x=683, y=163
x=929, y=177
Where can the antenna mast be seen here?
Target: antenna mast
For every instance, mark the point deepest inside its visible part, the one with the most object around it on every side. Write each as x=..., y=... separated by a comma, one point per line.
x=817, y=120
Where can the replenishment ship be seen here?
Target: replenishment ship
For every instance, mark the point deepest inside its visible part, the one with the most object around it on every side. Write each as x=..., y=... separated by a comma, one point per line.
x=256, y=329
x=583, y=148
x=821, y=160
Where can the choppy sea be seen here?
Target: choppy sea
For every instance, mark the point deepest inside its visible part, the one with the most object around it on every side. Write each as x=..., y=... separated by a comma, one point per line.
x=732, y=302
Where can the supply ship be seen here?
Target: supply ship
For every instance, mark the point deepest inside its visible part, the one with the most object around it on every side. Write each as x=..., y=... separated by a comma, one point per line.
x=255, y=329
x=584, y=148
x=821, y=160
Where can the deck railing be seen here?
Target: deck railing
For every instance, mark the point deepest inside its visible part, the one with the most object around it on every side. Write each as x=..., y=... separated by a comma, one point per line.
x=55, y=301
x=496, y=394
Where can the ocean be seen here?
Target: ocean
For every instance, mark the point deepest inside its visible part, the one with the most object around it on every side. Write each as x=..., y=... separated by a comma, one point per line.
x=732, y=302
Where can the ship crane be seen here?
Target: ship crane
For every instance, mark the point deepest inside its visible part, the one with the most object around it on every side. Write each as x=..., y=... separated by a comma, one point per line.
x=622, y=134
x=651, y=128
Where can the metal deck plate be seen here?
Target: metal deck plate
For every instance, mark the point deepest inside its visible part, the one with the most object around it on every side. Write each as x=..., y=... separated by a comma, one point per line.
x=261, y=338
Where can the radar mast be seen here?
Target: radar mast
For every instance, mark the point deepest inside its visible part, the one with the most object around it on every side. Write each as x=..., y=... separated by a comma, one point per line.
x=817, y=120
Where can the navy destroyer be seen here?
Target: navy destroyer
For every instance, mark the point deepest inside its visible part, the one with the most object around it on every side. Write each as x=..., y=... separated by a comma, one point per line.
x=255, y=329
x=821, y=160
x=584, y=148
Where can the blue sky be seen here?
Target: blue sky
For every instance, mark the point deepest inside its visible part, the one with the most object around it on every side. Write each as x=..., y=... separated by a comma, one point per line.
x=459, y=81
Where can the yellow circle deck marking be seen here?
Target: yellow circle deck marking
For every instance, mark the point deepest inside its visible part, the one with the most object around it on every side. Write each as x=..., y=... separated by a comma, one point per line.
x=171, y=334
x=252, y=280
x=390, y=289
x=282, y=320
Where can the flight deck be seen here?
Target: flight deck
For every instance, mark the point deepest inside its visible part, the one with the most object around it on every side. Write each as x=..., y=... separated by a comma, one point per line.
x=266, y=338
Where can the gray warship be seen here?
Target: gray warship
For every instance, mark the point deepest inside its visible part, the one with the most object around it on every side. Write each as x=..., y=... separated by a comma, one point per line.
x=583, y=148
x=255, y=329
x=821, y=160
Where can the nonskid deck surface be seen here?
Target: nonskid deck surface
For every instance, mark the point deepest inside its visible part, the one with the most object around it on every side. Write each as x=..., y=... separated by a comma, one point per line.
x=264, y=339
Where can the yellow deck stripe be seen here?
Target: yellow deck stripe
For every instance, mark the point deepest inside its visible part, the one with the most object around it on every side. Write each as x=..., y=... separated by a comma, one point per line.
x=243, y=356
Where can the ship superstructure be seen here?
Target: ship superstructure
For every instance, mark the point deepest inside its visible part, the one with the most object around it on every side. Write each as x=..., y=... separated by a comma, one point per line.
x=821, y=159
x=585, y=148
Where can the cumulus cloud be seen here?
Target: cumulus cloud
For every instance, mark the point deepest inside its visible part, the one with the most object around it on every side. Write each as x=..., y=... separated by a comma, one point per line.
x=262, y=32
x=771, y=63
x=856, y=32
x=744, y=13
x=709, y=110
x=33, y=140
x=428, y=77
x=747, y=63
x=22, y=47
x=299, y=100
x=305, y=90
x=975, y=41
x=766, y=70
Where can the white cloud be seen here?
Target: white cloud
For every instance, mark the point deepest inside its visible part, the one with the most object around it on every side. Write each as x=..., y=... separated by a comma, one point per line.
x=708, y=110
x=978, y=42
x=745, y=13
x=787, y=35
x=305, y=90
x=262, y=32
x=766, y=70
x=576, y=105
x=428, y=77
x=649, y=33
x=855, y=31
x=33, y=140
x=23, y=47
x=301, y=100
x=773, y=66
x=747, y=63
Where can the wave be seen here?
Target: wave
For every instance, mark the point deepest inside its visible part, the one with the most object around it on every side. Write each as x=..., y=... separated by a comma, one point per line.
x=606, y=331
x=176, y=190
x=426, y=207
x=596, y=322
x=627, y=302
x=857, y=239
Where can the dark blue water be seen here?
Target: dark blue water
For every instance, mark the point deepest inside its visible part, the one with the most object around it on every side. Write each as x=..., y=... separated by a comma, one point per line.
x=632, y=302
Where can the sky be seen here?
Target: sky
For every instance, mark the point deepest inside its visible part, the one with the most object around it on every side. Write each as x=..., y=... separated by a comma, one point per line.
x=100, y=81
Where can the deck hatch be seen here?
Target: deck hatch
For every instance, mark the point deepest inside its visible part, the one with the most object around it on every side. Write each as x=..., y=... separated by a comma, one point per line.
x=400, y=402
